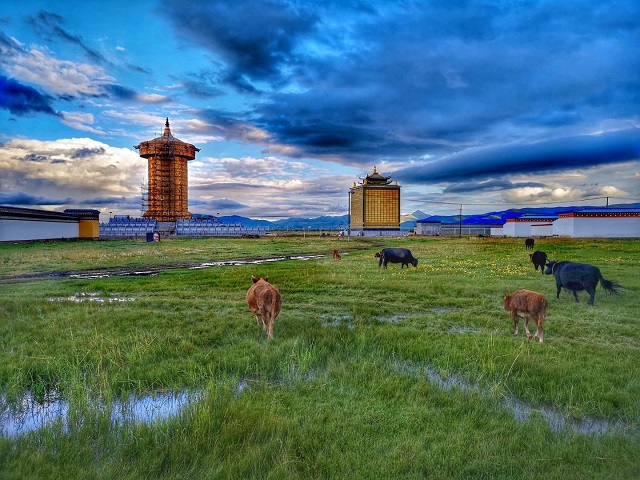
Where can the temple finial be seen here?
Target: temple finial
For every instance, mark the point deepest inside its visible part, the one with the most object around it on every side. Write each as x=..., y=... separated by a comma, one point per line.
x=167, y=130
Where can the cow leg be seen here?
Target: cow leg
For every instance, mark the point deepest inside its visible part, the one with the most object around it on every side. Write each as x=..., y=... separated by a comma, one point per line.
x=516, y=321
x=539, y=332
x=558, y=292
x=270, y=330
x=526, y=327
x=592, y=295
x=575, y=295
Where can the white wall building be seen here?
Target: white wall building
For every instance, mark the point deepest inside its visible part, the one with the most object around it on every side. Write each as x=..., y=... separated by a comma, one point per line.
x=522, y=226
x=25, y=224
x=598, y=223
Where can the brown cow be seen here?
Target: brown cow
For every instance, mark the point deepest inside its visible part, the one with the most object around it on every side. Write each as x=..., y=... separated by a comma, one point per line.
x=527, y=304
x=336, y=255
x=264, y=301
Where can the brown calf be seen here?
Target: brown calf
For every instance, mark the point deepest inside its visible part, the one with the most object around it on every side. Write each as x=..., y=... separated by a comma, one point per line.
x=336, y=255
x=527, y=304
x=265, y=302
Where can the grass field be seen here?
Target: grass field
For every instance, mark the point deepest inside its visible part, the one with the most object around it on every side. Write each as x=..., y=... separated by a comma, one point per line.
x=372, y=374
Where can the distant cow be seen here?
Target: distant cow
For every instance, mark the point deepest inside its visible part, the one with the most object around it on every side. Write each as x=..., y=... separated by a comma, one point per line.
x=528, y=305
x=528, y=243
x=396, y=255
x=576, y=277
x=336, y=255
x=539, y=259
x=264, y=301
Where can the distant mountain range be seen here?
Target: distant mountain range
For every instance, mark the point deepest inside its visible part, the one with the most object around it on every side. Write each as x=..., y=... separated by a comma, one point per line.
x=408, y=222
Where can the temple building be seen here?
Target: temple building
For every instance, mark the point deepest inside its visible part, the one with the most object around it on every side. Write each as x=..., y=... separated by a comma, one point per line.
x=167, y=196
x=374, y=206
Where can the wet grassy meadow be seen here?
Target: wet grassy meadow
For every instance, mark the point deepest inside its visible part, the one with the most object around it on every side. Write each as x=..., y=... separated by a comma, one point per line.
x=128, y=359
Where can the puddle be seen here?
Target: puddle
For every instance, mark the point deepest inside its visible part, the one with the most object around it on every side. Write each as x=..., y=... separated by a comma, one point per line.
x=242, y=386
x=462, y=330
x=90, y=297
x=393, y=319
x=230, y=263
x=31, y=415
x=336, y=321
x=442, y=310
x=346, y=320
x=152, y=271
x=94, y=275
x=522, y=412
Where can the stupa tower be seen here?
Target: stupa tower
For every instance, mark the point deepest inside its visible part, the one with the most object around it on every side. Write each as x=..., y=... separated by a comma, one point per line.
x=374, y=204
x=168, y=188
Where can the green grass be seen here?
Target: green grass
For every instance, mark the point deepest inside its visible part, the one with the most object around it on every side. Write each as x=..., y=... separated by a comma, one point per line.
x=340, y=392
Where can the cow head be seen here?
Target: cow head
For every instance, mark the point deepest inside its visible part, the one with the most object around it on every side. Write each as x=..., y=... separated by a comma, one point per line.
x=415, y=262
x=550, y=265
x=257, y=279
x=506, y=301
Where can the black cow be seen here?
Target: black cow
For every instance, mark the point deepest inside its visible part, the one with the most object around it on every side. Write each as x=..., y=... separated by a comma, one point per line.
x=396, y=255
x=528, y=244
x=576, y=277
x=539, y=259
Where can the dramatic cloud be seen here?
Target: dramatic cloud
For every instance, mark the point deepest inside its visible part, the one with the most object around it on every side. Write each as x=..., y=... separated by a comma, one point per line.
x=255, y=47
x=414, y=91
x=23, y=100
x=572, y=153
x=78, y=168
x=50, y=25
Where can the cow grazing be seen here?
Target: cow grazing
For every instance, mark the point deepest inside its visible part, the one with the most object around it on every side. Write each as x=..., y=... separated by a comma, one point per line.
x=528, y=243
x=576, y=277
x=396, y=255
x=528, y=305
x=539, y=259
x=265, y=302
x=336, y=255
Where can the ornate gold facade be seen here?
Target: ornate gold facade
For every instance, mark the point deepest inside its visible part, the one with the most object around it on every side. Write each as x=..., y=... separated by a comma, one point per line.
x=375, y=204
x=168, y=187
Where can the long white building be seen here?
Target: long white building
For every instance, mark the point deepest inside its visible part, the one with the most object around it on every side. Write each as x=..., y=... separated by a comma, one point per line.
x=598, y=223
x=585, y=223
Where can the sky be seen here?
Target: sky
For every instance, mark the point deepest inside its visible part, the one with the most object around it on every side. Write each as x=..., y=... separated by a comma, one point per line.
x=487, y=105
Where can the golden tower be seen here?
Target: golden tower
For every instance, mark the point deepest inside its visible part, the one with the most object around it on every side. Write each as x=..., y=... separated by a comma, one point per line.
x=375, y=204
x=168, y=189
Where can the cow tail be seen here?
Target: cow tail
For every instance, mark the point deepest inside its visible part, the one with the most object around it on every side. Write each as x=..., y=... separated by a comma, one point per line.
x=609, y=286
x=268, y=303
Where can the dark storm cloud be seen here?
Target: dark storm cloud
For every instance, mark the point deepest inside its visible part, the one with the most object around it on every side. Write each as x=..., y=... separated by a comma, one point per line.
x=21, y=198
x=218, y=204
x=20, y=99
x=34, y=157
x=489, y=186
x=49, y=25
x=87, y=152
x=203, y=84
x=407, y=80
x=255, y=38
x=571, y=154
x=124, y=93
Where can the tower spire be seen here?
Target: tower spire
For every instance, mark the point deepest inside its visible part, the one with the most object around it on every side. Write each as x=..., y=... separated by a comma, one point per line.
x=167, y=130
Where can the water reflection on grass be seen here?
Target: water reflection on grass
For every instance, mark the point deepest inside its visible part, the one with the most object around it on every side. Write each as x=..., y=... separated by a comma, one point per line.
x=30, y=414
x=522, y=412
